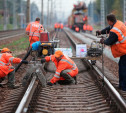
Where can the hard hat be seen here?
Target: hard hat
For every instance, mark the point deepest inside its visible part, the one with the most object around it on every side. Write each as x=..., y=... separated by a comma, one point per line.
x=5, y=50
x=58, y=53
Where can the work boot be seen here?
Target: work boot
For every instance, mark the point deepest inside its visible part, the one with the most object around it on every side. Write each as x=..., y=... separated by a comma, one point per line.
x=75, y=78
x=68, y=77
x=11, y=80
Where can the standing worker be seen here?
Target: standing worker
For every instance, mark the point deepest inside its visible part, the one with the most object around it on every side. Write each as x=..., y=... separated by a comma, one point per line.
x=33, y=30
x=117, y=42
x=61, y=27
x=58, y=26
x=66, y=69
x=6, y=68
x=90, y=29
x=84, y=27
x=55, y=26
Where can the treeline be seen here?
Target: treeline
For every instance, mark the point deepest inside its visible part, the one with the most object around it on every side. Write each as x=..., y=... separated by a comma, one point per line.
x=111, y=6
x=20, y=13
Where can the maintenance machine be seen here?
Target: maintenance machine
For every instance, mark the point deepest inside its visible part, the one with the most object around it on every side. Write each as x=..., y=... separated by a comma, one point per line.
x=40, y=49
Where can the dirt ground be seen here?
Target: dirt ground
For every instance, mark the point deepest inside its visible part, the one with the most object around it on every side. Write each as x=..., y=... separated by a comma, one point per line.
x=4, y=92
x=18, y=77
x=111, y=65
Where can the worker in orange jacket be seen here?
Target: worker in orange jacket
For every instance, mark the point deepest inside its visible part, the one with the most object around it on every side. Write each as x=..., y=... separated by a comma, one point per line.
x=117, y=42
x=90, y=29
x=84, y=27
x=66, y=68
x=61, y=27
x=6, y=68
x=33, y=30
x=56, y=26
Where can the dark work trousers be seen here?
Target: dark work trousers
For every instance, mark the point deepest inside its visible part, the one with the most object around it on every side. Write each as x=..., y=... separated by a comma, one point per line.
x=1, y=79
x=68, y=78
x=122, y=72
x=11, y=78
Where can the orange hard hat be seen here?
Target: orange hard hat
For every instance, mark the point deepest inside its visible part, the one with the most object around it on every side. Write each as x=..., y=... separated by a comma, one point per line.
x=5, y=50
x=58, y=53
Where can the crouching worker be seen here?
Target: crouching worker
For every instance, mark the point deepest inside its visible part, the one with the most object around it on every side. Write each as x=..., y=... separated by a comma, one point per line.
x=66, y=69
x=6, y=68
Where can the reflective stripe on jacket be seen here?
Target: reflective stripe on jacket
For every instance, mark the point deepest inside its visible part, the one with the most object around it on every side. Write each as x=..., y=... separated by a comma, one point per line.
x=6, y=60
x=119, y=48
x=63, y=64
x=34, y=29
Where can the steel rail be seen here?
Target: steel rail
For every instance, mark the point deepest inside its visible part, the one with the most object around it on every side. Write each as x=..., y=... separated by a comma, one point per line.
x=10, y=30
x=115, y=92
x=119, y=98
x=26, y=96
x=11, y=33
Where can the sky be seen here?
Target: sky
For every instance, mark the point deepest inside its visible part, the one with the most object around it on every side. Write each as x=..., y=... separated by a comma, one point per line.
x=63, y=8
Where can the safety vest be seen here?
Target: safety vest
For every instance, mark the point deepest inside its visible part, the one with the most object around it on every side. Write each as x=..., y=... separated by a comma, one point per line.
x=119, y=48
x=90, y=28
x=58, y=25
x=55, y=26
x=35, y=28
x=61, y=26
x=63, y=64
x=84, y=27
x=5, y=63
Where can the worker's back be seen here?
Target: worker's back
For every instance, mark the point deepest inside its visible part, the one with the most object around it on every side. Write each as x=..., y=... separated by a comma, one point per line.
x=84, y=27
x=61, y=26
x=34, y=28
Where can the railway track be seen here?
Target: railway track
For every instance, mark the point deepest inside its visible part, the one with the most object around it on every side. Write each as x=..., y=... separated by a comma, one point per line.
x=88, y=38
x=87, y=96
x=11, y=33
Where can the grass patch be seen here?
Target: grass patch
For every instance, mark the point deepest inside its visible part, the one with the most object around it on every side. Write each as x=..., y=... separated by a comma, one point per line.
x=1, y=27
x=17, y=45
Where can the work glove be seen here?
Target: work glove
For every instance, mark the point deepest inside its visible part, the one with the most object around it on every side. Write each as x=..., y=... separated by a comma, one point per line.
x=102, y=41
x=43, y=60
x=49, y=83
x=98, y=32
x=24, y=61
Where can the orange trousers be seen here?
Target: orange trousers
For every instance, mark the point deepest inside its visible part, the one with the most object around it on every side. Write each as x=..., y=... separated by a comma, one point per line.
x=33, y=39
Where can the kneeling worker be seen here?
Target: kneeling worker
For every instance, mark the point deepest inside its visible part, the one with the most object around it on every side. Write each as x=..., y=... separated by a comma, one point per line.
x=6, y=68
x=66, y=68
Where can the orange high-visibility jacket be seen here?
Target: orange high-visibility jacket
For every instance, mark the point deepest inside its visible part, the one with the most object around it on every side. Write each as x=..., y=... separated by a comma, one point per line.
x=84, y=27
x=63, y=64
x=61, y=26
x=90, y=28
x=56, y=26
x=119, y=48
x=5, y=63
x=34, y=30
